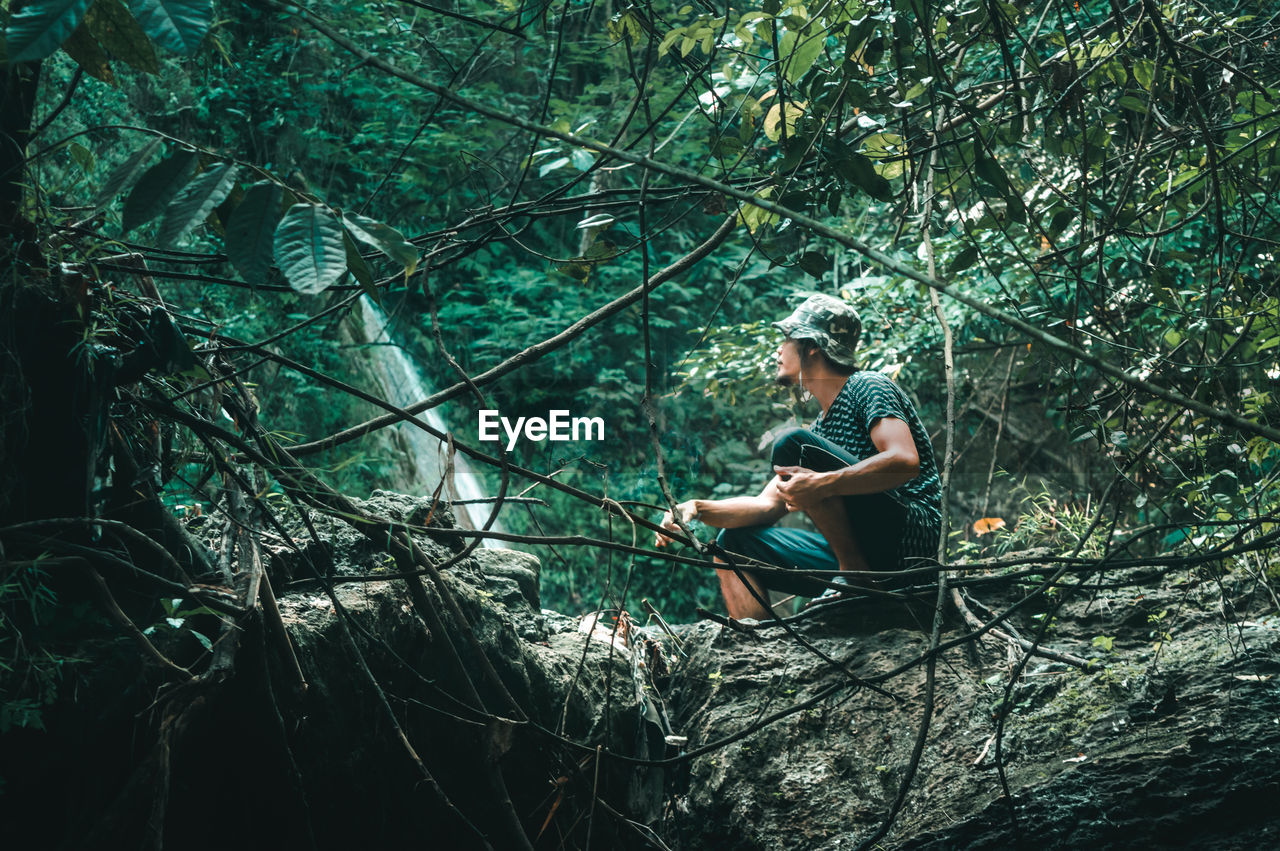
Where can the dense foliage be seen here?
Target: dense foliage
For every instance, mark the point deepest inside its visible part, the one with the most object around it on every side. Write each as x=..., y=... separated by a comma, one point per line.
x=1074, y=202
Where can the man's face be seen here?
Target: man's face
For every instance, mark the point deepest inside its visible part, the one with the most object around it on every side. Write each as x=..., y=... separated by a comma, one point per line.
x=788, y=363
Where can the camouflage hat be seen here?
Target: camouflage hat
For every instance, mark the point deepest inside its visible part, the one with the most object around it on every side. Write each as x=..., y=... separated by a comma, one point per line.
x=830, y=322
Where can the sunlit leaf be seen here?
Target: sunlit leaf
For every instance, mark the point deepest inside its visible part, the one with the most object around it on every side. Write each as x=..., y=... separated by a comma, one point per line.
x=551, y=166
x=309, y=248
x=754, y=217
x=774, y=119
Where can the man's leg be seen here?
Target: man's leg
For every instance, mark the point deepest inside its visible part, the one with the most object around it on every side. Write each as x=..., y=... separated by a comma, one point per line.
x=796, y=549
x=802, y=448
x=738, y=599
x=833, y=522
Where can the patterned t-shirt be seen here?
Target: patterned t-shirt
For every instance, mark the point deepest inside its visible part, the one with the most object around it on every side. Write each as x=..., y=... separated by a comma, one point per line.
x=866, y=398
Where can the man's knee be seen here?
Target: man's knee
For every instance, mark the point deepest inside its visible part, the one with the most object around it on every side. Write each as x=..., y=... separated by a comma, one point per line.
x=734, y=540
x=787, y=446
x=744, y=541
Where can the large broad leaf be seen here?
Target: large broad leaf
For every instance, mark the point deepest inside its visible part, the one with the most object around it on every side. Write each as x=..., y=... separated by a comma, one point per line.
x=966, y=258
x=385, y=238
x=126, y=173
x=157, y=188
x=799, y=51
x=861, y=172
x=251, y=230
x=990, y=171
x=195, y=201
x=782, y=117
x=118, y=31
x=309, y=249
x=177, y=25
x=89, y=55
x=39, y=28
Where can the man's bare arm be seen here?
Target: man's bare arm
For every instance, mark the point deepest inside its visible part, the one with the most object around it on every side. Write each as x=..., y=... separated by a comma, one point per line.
x=732, y=513
x=896, y=463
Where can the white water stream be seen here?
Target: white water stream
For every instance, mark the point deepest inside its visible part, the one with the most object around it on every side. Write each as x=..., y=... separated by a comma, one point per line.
x=403, y=384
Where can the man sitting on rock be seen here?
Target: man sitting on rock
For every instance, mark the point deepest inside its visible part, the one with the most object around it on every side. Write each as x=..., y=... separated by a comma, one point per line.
x=864, y=473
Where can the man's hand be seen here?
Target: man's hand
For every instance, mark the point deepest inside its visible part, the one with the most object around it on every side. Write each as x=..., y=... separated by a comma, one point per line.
x=800, y=487
x=688, y=511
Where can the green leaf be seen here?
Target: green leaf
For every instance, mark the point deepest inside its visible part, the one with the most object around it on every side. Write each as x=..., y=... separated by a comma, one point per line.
x=668, y=40
x=859, y=171
x=1060, y=221
x=177, y=25
x=360, y=269
x=82, y=156
x=385, y=238
x=125, y=173
x=754, y=217
x=118, y=31
x=552, y=166
x=727, y=147
x=601, y=250
x=780, y=117
x=251, y=230
x=1144, y=72
x=815, y=263
x=966, y=258
x=799, y=52
x=575, y=269
x=89, y=55
x=581, y=158
x=309, y=249
x=156, y=188
x=743, y=28
x=1133, y=104
x=990, y=171
x=1016, y=208
x=195, y=201
x=39, y=28
x=799, y=200
x=532, y=11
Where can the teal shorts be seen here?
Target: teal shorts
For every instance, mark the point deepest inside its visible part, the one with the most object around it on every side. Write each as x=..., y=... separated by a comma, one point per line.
x=877, y=521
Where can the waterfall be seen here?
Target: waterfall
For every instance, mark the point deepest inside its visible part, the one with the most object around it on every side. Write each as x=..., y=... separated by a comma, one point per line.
x=403, y=384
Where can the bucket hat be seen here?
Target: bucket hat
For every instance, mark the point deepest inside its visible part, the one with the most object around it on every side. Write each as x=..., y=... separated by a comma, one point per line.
x=830, y=322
